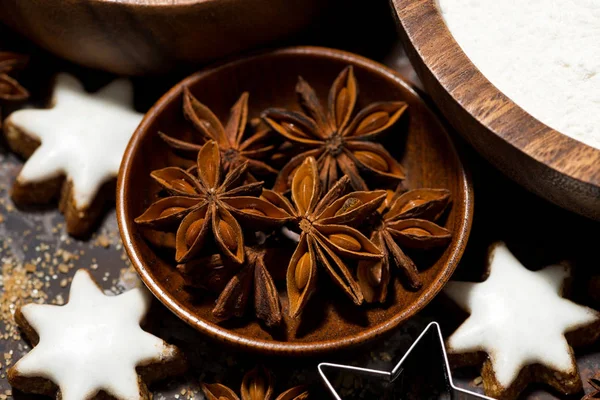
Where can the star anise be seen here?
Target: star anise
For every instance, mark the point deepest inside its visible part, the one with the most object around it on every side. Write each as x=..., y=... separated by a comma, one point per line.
x=253, y=280
x=207, y=202
x=10, y=89
x=256, y=385
x=595, y=382
x=403, y=221
x=325, y=239
x=235, y=150
x=338, y=143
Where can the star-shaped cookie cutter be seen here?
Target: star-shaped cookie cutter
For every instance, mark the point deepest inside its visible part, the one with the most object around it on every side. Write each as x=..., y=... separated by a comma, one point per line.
x=430, y=341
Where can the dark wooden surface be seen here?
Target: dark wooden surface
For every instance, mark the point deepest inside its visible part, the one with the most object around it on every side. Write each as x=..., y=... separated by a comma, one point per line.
x=538, y=232
x=548, y=163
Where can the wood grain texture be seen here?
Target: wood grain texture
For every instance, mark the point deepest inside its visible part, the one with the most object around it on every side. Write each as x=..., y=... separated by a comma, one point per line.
x=135, y=37
x=550, y=164
x=331, y=321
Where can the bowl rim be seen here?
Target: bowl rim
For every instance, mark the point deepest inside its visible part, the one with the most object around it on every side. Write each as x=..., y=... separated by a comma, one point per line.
x=274, y=347
x=534, y=130
x=152, y=3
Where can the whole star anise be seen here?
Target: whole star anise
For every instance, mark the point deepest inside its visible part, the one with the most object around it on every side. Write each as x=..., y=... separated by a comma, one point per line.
x=256, y=385
x=235, y=150
x=209, y=203
x=595, y=383
x=237, y=286
x=10, y=89
x=403, y=221
x=325, y=238
x=330, y=136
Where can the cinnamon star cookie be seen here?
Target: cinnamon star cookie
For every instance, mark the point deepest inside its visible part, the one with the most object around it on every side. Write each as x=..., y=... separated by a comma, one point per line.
x=82, y=138
x=521, y=321
x=92, y=346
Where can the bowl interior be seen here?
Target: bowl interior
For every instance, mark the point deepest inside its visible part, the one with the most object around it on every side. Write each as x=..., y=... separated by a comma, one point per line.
x=331, y=321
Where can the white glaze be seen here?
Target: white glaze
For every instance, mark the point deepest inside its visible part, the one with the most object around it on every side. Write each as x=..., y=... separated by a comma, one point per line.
x=83, y=135
x=518, y=317
x=93, y=342
x=543, y=54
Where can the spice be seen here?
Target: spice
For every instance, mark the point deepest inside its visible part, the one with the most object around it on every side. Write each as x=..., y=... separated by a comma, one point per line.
x=256, y=385
x=252, y=280
x=10, y=89
x=326, y=238
x=235, y=150
x=338, y=142
x=403, y=221
x=595, y=394
x=197, y=205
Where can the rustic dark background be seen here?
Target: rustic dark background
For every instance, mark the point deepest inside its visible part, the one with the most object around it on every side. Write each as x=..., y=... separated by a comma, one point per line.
x=38, y=258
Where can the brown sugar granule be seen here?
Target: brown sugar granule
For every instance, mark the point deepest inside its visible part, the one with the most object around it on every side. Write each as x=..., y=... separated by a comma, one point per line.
x=30, y=267
x=17, y=287
x=64, y=268
x=103, y=241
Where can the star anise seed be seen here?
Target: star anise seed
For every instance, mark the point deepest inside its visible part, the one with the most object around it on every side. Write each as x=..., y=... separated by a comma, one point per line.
x=337, y=142
x=405, y=220
x=257, y=384
x=327, y=236
x=10, y=89
x=235, y=149
x=208, y=203
x=595, y=383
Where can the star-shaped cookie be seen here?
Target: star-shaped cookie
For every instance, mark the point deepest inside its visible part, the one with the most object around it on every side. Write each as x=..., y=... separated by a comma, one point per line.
x=82, y=138
x=92, y=344
x=519, y=319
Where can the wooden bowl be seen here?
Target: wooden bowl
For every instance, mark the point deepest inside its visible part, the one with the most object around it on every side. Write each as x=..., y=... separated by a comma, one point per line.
x=421, y=144
x=135, y=37
x=550, y=164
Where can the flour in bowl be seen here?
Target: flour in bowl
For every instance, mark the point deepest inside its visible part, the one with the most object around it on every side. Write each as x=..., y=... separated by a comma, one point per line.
x=543, y=54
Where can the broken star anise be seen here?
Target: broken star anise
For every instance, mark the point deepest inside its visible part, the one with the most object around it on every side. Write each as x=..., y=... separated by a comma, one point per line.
x=235, y=150
x=337, y=142
x=404, y=221
x=256, y=385
x=208, y=202
x=595, y=383
x=326, y=238
x=10, y=89
x=251, y=281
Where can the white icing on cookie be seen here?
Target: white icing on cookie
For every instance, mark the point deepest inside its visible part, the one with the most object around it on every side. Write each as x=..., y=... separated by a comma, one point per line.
x=83, y=135
x=93, y=342
x=518, y=317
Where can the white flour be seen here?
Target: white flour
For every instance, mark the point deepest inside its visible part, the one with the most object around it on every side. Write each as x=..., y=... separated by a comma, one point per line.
x=543, y=54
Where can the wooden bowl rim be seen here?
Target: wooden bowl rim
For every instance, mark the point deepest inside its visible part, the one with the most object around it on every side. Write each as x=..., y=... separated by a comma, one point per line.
x=152, y=3
x=534, y=130
x=219, y=333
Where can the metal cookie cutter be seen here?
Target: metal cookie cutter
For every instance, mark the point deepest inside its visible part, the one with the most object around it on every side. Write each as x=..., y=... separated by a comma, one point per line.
x=425, y=365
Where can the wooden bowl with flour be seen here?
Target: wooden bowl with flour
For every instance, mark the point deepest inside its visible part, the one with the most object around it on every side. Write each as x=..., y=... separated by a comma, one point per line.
x=136, y=37
x=551, y=164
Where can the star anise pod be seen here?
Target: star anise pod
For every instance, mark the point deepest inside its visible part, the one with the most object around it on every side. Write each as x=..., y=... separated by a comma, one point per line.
x=209, y=203
x=10, y=89
x=403, y=221
x=252, y=282
x=326, y=238
x=235, y=149
x=256, y=385
x=337, y=142
x=595, y=382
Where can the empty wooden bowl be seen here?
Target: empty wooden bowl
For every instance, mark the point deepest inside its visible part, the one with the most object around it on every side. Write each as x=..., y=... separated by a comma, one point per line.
x=550, y=164
x=333, y=322
x=134, y=37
